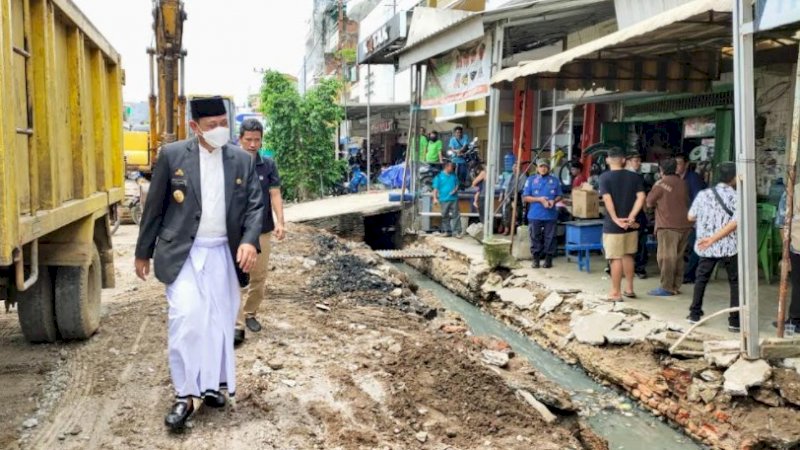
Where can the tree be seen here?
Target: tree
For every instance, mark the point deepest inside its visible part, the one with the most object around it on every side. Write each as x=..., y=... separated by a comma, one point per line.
x=301, y=132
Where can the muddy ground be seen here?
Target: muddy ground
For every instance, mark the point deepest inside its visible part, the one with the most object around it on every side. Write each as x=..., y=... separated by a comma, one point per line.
x=349, y=358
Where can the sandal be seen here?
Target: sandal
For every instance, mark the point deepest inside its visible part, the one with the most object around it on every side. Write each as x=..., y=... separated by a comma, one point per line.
x=614, y=299
x=629, y=294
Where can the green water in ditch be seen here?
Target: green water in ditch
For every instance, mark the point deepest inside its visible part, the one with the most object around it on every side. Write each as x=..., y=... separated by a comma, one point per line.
x=627, y=427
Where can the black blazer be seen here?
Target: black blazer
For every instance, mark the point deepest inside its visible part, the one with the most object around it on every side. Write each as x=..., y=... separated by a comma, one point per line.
x=172, y=211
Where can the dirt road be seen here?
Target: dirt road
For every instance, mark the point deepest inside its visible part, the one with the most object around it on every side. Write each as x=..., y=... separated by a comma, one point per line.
x=348, y=359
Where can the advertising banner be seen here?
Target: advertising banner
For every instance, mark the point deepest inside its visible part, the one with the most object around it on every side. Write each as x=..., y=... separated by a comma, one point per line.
x=460, y=75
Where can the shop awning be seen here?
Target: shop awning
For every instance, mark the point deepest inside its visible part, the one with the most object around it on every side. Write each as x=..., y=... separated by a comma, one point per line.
x=426, y=38
x=677, y=50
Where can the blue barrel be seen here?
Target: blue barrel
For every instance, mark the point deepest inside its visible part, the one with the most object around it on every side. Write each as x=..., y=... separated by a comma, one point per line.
x=508, y=162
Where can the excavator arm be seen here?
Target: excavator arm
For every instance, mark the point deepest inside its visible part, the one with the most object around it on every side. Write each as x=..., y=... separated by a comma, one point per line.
x=167, y=98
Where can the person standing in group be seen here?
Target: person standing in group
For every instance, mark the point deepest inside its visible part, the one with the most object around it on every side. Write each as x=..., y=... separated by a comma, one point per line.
x=714, y=212
x=423, y=144
x=694, y=184
x=458, y=144
x=251, y=134
x=794, y=254
x=623, y=196
x=633, y=163
x=670, y=198
x=542, y=191
x=433, y=147
x=445, y=193
x=576, y=170
x=203, y=215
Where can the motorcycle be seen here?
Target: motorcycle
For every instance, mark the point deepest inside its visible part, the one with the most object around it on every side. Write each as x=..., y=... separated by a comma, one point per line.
x=472, y=158
x=427, y=172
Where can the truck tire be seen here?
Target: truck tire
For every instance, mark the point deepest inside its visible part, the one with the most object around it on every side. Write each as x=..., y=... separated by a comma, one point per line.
x=77, y=295
x=36, y=310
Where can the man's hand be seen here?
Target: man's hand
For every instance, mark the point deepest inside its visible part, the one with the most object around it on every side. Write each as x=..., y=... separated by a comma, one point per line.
x=280, y=232
x=622, y=223
x=704, y=243
x=246, y=257
x=142, y=268
x=435, y=200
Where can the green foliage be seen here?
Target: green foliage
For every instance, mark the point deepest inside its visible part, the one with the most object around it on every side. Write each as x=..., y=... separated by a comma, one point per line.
x=348, y=55
x=302, y=130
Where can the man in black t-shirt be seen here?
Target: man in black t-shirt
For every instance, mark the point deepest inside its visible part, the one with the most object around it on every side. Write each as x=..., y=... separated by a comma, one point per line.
x=623, y=196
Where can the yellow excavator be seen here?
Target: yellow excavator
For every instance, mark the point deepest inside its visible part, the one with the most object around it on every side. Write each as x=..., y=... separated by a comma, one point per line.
x=168, y=115
x=167, y=103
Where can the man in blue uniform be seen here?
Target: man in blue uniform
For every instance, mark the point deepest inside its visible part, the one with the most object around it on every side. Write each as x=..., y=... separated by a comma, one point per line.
x=542, y=191
x=458, y=144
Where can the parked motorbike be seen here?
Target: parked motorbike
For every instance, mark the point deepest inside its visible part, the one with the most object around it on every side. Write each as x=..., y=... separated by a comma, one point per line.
x=427, y=172
x=471, y=155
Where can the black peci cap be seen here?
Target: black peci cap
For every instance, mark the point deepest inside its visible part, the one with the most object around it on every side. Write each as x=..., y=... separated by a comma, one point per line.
x=207, y=107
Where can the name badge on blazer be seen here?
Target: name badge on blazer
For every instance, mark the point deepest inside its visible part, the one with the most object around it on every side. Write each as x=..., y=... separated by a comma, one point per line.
x=178, y=190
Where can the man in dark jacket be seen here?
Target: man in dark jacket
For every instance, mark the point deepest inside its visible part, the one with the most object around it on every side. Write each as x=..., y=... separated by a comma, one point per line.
x=201, y=225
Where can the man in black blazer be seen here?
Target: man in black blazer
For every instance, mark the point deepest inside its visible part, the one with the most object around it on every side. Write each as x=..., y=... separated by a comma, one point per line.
x=201, y=226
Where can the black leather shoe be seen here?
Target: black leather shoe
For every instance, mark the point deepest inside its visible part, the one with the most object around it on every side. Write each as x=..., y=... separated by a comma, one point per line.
x=214, y=399
x=535, y=264
x=180, y=412
x=252, y=324
x=238, y=337
x=548, y=262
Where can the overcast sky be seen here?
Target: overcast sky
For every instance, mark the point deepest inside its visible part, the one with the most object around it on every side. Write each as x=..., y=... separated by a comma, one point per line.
x=225, y=41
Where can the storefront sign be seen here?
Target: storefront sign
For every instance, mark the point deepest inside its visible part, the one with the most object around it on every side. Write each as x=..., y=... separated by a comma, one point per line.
x=382, y=126
x=384, y=39
x=459, y=76
x=776, y=13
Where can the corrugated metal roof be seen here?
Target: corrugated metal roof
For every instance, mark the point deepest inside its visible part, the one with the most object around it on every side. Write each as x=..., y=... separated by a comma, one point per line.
x=689, y=26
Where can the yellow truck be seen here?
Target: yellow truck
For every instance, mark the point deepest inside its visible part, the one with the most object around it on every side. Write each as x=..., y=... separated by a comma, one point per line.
x=61, y=166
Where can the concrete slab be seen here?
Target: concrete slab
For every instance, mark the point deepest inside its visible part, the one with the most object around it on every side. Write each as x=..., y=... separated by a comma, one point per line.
x=520, y=297
x=550, y=303
x=592, y=328
x=635, y=332
x=365, y=204
x=744, y=374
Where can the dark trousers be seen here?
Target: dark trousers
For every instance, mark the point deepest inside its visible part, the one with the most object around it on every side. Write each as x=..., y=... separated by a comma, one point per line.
x=690, y=270
x=543, y=238
x=640, y=259
x=794, y=308
x=705, y=268
x=461, y=173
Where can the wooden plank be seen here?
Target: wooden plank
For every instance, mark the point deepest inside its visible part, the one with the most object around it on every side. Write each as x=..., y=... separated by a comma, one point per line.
x=102, y=141
x=115, y=148
x=46, y=222
x=83, y=182
x=772, y=349
x=43, y=166
x=9, y=207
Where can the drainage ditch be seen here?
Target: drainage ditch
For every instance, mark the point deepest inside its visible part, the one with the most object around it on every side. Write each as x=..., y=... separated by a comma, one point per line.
x=611, y=414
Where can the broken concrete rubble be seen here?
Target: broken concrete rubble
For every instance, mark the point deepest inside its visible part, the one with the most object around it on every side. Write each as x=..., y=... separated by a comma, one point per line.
x=550, y=303
x=526, y=396
x=592, y=328
x=519, y=297
x=722, y=353
x=635, y=332
x=495, y=358
x=788, y=384
x=744, y=374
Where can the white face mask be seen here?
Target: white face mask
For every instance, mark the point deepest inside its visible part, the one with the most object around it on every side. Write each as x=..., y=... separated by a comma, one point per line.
x=217, y=137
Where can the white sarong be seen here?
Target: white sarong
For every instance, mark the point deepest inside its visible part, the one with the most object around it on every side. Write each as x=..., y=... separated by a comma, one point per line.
x=203, y=304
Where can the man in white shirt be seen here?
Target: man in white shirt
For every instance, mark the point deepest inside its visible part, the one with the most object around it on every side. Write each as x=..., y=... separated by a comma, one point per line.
x=714, y=213
x=201, y=225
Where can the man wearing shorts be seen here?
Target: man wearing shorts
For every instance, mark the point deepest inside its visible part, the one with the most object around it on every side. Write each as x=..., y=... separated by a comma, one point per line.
x=623, y=196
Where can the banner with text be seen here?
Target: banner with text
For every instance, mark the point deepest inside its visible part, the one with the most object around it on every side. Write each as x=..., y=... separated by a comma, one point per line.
x=459, y=76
